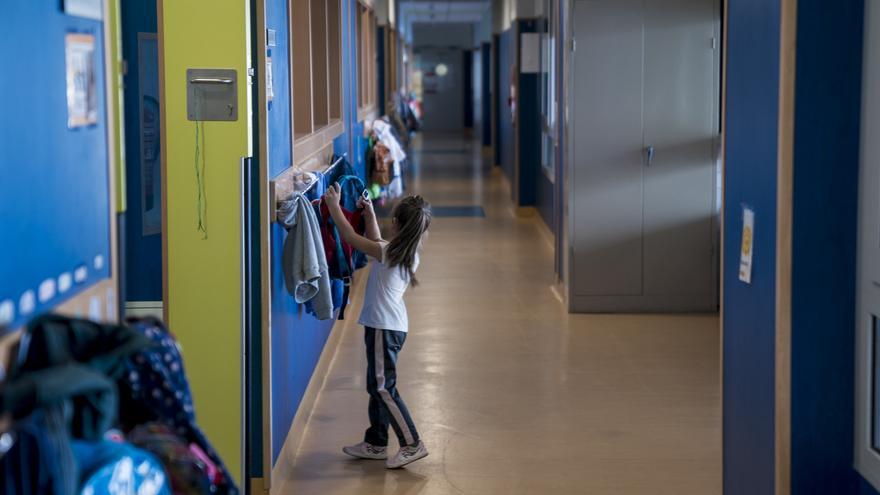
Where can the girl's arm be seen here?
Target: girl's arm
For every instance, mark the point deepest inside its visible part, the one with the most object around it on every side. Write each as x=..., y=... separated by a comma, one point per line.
x=372, y=225
x=359, y=242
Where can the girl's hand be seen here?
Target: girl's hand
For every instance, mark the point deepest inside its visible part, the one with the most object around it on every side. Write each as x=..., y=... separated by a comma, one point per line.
x=366, y=204
x=331, y=197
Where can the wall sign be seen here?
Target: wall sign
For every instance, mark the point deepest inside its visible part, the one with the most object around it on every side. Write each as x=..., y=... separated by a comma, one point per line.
x=748, y=236
x=82, y=97
x=90, y=9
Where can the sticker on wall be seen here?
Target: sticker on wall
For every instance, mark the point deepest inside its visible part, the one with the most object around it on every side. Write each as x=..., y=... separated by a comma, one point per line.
x=80, y=274
x=748, y=238
x=150, y=137
x=82, y=97
x=99, y=262
x=46, y=291
x=270, y=86
x=7, y=312
x=65, y=282
x=90, y=9
x=27, y=303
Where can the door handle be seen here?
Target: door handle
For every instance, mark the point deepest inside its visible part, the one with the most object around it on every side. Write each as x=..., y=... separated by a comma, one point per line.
x=649, y=154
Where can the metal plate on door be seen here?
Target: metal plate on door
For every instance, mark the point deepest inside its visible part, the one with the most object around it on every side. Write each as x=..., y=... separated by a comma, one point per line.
x=211, y=94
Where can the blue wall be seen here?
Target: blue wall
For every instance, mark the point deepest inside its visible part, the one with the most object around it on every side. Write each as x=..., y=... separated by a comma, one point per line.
x=544, y=191
x=143, y=253
x=485, y=97
x=533, y=188
x=505, y=134
x=825, y=215
x=55, y=208
x=496, y=97
x=528, y=127
x=297, y=337
x=750, y=179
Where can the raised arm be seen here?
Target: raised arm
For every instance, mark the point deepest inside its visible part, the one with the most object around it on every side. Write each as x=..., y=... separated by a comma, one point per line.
x=357, y=241
x=372, y=231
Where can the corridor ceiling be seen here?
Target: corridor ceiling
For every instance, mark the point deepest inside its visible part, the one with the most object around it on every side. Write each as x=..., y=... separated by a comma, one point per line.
x=431, y=11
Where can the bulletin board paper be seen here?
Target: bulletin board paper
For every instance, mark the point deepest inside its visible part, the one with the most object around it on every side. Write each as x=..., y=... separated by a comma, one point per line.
x=90, y=9
x=82, y=103
x=56, y=209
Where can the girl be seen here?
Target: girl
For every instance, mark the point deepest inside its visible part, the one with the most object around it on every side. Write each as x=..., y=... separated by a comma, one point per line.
x=384, y=317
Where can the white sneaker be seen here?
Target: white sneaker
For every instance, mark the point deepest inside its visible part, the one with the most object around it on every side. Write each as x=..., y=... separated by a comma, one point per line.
x=365, y=450
x=407, y=455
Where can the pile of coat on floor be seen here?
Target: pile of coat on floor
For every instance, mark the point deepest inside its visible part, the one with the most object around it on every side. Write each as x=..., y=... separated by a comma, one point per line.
x=94, y=409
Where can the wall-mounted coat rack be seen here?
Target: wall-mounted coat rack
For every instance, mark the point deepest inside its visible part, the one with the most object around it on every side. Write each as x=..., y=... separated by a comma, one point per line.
x=283, y=187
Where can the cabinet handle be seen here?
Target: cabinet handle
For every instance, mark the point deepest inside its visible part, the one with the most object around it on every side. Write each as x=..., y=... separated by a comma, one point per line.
x=649, y=153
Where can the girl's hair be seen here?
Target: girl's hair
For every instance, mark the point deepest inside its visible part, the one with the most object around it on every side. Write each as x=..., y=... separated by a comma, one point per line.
x=413, y=217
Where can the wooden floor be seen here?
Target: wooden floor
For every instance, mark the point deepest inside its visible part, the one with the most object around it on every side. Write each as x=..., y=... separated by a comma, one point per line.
x=511, y=394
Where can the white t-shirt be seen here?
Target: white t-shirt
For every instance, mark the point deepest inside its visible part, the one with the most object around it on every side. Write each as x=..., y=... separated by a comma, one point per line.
x=384, y=308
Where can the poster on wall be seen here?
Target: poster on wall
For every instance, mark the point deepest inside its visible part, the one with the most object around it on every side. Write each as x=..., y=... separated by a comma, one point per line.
x=82, y=94
x=90, y=9
x=150, y=142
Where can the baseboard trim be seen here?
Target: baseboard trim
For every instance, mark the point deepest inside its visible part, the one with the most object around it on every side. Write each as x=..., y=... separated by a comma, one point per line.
x=141, y=309
x=296, y=433
x=546, y=233
x=257, y=487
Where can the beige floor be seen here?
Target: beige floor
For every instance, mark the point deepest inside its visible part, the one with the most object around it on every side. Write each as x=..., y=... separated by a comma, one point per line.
x=511, y=394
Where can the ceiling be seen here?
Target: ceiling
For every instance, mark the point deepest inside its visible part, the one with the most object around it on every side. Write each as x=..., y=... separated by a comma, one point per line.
x=421, y=11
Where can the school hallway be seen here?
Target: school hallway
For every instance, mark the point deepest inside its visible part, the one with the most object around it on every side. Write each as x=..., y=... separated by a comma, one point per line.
x=653, y=266
x=510, y=392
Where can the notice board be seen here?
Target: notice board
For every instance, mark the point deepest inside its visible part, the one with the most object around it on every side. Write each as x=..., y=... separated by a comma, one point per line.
x=55, y=204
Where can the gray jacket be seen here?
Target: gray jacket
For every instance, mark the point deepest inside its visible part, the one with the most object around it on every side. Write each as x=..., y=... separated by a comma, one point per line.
x=303, y=259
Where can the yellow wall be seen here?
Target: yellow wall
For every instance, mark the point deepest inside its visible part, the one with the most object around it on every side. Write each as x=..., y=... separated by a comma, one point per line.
x=203, y=291
x=115, y=96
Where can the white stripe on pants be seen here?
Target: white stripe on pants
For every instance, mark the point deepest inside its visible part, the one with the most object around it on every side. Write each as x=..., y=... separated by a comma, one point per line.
x=379, y=361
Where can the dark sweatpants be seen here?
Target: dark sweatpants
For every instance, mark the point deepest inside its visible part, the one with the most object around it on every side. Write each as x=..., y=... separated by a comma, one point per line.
x=386, y=405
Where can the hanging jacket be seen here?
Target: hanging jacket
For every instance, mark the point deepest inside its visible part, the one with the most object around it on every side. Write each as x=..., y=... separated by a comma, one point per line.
x=303, y=259
x=382, y=165
x=344, y=168
x=342, y=258
x=386, y=135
